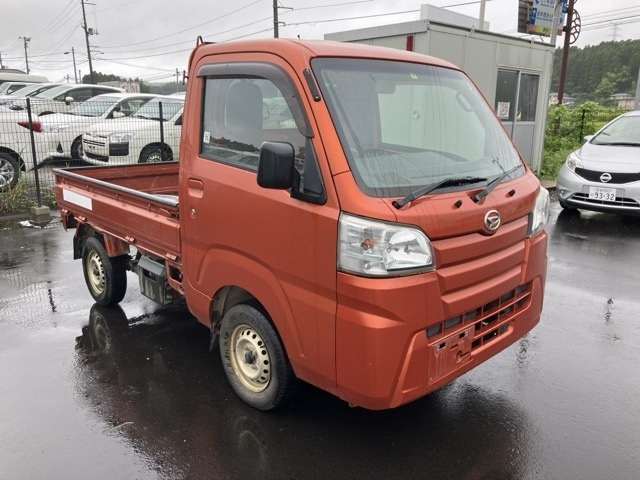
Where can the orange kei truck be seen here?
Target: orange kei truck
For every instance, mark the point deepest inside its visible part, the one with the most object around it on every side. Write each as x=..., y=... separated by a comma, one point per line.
x=351, y=216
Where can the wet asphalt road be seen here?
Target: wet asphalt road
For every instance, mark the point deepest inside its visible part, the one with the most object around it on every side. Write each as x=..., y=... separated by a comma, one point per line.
x=133, y=393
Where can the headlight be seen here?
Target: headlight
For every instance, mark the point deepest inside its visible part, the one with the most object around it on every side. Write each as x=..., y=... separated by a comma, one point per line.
x=121, y=137
x=540, y=216
x=378, y=249
x=574, y=161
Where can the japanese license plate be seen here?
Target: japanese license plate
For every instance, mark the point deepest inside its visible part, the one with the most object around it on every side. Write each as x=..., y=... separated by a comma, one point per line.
x=601, y=193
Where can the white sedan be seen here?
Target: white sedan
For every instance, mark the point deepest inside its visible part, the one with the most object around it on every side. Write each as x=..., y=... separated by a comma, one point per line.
x=61, y=133
x=138, y=138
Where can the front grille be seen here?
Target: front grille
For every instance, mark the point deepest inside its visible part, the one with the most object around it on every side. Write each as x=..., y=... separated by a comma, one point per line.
x=489, y=320
x=618, y=178
x=617, y=203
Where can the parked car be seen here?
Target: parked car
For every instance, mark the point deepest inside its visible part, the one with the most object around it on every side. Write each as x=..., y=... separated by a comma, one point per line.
x=28, y=91
x=7, y=88
x=137, y=139
x=604, y=174
x=61, y=98
x=61, y=133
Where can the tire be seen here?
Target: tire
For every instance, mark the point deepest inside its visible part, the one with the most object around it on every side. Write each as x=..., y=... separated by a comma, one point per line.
x=76, y=149
x=153, y=155
x=106, y=277
x=254, y=359
x=9, y=172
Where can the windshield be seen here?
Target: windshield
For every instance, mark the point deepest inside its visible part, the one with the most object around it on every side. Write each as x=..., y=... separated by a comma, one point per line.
x=54, y=92
x=94, y=107
x=624, y=130
x=30, y=90
x=170, y=106
x=404, y=125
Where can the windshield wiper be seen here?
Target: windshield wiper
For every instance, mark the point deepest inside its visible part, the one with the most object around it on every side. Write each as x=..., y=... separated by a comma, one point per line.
x=619, y=144
x=447, y=182
x=493, y=184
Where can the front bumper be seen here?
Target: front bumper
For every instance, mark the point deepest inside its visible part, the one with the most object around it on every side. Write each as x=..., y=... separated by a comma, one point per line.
x=399, y=339
x=573, y=192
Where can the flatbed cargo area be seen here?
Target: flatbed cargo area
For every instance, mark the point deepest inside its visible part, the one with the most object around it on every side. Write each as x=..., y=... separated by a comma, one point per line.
x=136, y=203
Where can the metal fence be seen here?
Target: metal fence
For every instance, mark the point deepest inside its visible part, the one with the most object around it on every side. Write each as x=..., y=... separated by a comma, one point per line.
x=37, y=136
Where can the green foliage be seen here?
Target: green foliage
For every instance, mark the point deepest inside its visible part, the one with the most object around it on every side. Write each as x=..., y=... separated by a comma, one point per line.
x=565, y=131
x=596, y=72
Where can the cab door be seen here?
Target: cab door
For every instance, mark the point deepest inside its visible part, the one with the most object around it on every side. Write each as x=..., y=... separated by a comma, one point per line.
x=277, y=248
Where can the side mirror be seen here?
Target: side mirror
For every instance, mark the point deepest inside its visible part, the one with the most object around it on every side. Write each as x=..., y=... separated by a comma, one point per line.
x=118, y=115
x=276, y=165
x=68, y=100
x=588, y=137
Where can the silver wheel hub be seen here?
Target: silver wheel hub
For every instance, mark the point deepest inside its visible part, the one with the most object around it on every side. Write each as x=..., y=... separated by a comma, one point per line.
x=250, y=358
x=95, y=273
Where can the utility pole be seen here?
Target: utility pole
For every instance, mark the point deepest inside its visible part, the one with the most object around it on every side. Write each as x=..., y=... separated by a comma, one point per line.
x=1, y=66
x=73, y=55
x=87, y=32
x=275, y=18
x=177, y=83
x=26, y=57
x=565, y=51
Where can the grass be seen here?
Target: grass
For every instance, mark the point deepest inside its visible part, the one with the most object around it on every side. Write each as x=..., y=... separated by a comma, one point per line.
x=22, y=197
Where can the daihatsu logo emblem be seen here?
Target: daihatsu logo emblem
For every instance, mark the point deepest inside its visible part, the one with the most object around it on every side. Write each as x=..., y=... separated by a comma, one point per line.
x=492, y=220
x=605, y=177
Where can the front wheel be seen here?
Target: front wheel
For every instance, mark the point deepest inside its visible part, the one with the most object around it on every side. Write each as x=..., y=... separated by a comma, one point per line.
x=154, y=155
x=76, y=149
x=254, y=359
x=106, y=277
x=9, y=172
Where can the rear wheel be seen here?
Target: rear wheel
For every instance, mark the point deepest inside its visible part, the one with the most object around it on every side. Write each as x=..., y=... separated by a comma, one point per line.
x=106, y=277
x=9, y=171
x=254, y=359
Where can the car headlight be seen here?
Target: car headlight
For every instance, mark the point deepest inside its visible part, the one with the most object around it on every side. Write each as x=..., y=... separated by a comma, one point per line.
x=378, y=249
x=539, y=217
x=121, y=137
x=574, y=161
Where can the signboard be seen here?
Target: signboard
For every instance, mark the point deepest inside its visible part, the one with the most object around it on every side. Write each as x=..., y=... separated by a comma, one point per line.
x=540, y=21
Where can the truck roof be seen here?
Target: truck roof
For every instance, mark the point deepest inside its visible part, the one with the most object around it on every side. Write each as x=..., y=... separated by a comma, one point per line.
x=291, y=49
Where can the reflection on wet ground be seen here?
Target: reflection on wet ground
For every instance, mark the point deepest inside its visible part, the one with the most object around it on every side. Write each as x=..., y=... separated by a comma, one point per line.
x=154, y=381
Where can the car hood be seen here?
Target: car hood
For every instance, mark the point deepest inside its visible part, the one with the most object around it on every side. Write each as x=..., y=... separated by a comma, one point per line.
x=62, y=118
x=127, y=124
x=610, y=158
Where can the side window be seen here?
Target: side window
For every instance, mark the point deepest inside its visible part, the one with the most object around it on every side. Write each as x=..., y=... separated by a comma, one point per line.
x=241, y=113
x=80, y=94
x=129, y=107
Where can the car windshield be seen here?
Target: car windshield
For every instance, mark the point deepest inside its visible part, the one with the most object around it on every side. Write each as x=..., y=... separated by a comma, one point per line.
x=54, y=92
x=170, y=107
x=94, y=107
x=30, y=90
x=405, y=125
x=623, y=130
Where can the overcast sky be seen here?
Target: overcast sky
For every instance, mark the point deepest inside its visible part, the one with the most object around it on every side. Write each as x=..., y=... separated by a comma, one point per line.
x=151, y=38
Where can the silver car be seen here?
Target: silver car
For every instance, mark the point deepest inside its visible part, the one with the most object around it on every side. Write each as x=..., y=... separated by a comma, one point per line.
x=604, y=174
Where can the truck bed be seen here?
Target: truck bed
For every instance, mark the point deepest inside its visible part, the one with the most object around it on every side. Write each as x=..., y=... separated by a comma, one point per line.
x=135, y=203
